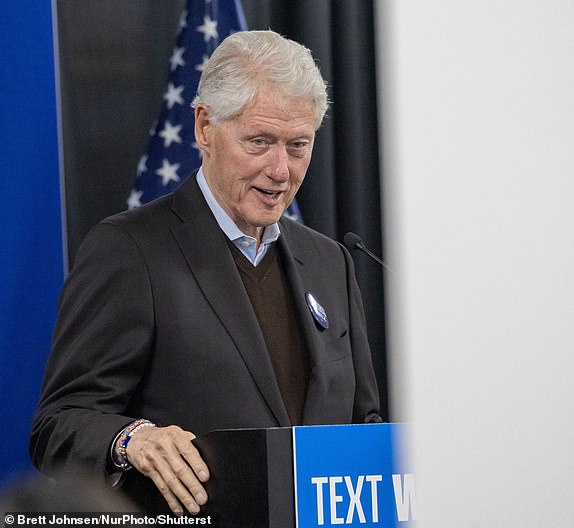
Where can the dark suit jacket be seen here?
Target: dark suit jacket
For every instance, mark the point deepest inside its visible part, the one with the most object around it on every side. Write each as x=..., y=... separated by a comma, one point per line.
x=154, y=322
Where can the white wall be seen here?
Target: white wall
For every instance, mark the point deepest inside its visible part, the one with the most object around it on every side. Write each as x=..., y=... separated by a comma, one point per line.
x=478, y=160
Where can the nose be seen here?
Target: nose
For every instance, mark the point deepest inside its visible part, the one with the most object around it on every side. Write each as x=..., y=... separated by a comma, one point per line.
x=279, y=164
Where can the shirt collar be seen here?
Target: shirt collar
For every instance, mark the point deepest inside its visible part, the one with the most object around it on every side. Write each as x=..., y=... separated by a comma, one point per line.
x=270, y=233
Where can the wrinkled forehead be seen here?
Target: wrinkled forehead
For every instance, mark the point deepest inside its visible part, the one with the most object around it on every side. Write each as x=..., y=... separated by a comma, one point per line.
x=269, y=101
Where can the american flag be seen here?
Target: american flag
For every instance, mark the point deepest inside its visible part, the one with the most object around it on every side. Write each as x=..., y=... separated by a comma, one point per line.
x=172, y=153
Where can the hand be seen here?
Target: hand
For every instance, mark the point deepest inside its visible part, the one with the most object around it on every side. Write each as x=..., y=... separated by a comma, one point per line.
x=167, y=456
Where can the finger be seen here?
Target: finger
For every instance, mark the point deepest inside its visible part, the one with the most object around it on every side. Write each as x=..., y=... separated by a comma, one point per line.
x=158, y=456
x=172, y=501
x=186, y=477
x=174, y=491
x=166, y=470
x=191, y=455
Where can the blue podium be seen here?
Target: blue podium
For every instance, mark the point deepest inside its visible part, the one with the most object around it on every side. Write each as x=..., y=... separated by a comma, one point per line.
x=307, y=477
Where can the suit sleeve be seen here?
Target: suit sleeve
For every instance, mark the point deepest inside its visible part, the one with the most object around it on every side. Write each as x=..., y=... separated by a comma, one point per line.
x=100, y=347
x=366, y=406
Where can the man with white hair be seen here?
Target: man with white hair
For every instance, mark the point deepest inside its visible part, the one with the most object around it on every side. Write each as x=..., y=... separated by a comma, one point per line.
x=206, y=309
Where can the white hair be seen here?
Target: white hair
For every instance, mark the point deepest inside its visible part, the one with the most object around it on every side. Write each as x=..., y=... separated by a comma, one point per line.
x=248, y=59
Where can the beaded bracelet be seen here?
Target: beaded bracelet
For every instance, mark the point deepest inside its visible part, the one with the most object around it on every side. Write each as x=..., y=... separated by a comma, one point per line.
x=120, y=457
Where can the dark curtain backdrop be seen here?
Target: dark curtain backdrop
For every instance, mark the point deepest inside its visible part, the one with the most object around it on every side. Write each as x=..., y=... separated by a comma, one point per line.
x=114, y=56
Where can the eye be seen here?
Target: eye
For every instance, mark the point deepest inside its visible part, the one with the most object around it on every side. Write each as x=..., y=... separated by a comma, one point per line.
x=299, y=148
x=257, y=145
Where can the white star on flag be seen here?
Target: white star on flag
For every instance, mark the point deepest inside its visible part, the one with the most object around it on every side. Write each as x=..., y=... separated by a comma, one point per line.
x=173, y=95
x=208, y=28
x=201, y=67
x=176, y=58
x=183, y=20
x=142, y=167
x=134, y=199
x=168, y=172
x=199, y=151
x=170, y=134
x=153, y=128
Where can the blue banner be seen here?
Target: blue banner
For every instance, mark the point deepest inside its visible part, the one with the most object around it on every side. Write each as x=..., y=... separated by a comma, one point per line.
x=31, y=247
x=353, y=475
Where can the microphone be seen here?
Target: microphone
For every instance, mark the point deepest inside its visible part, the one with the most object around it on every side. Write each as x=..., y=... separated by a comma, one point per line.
x=353, y=241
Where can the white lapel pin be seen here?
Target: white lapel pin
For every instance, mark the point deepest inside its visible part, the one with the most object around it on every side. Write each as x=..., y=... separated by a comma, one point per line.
x=317, y=311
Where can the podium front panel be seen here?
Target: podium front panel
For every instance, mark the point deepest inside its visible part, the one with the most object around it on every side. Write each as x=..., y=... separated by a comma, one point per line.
x=353, y=475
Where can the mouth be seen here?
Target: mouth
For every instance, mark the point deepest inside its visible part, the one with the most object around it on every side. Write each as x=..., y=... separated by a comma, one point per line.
x=268, y=195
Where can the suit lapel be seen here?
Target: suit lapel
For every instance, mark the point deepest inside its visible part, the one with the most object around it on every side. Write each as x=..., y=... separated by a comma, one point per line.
x=297, y=265
x=205, y=249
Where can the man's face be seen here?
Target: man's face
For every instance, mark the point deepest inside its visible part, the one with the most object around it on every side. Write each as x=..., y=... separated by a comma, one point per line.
x=256, y=162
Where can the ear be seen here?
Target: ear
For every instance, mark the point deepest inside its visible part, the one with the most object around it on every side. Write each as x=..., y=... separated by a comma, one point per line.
x=203, y=127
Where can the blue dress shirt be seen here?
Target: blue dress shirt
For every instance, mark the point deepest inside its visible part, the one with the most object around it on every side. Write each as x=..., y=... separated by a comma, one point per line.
x=246, y=244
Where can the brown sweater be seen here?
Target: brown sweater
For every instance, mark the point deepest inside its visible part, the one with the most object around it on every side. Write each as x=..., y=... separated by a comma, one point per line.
x=271, y=298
